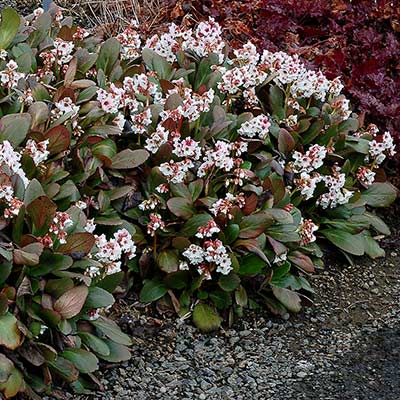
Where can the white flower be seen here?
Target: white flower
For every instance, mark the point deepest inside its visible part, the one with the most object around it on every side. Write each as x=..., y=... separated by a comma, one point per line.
x=311, y=160
x=257, y=126
x=195, y=254
x=37, y=151
x=90, y=226
x=306, y=231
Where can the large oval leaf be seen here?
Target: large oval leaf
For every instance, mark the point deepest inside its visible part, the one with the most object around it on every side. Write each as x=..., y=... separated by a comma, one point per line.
x=98, y=345
x=112, y=331
x=10, y=335
x=206, y=318
x=71, y=302
x=78, y=243
x=8, y=27
x=127, y=159
x=15, y=127
x=352, y=244
x=152, y=291
x=291, y=300
x=85, y=361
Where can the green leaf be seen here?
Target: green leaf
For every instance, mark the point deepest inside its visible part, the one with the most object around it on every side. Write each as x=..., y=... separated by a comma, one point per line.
x=254, y=225
x=128, y=159
x=352, y=244
x=221, y=299
x=191, y=226
x=33, y=191
x=251, y=264
x=380, y=194
x=314, y=130
x=372, y=247
x=291, y=300
x=286, y=142
x=50, y=262
x=85, y=361
x=42, y=211
x=241, y=296
x=98, y=345
x=206, y=318
x=99, y=298
x=196, y=188
x=15, y=127
x=181, y=207
x=231, y=233
x=276, y=99
x=229, y=282
x=108, y=56
x=168, y=261
x=152, y=290
x=59, y=139
x=8, y=27
x=10, y=335
x=155, y=62
x=112, y=331
x=13, y=385
x=64, y=369
x=118, y=352
x=71, y=302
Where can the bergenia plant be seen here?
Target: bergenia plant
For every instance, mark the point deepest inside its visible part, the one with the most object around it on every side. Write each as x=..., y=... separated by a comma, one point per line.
x=212, y=174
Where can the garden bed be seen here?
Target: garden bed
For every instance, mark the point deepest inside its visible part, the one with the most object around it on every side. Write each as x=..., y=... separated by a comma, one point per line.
x=192, y=183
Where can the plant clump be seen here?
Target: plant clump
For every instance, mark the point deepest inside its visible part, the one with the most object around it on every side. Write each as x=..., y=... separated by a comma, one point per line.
x=210, y=175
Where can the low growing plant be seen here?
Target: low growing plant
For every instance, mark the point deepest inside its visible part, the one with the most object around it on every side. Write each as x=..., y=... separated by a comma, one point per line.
x=221, y=169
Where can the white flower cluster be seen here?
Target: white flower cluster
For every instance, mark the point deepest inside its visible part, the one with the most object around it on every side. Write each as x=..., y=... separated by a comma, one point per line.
x=65, y=106
x=307, y=184
x=336, y=194
x=157, y=139
x=306, y=231
x=311, y=160
x=10, y=76
x=256, y=127
x=207, y=38
x=365, y=175
x=246, y=73
x=176, y=171
x=304, y=83
x=193, y=104
x=109, y=252
x=221, y=157
x=11, y=159
x=224, y=206
x=213, y=252
x=37, y=151
x=378, y=150
x=208, y=230
x=61, y=222
x=62, y=51
x=130, y=42
x=187, y=148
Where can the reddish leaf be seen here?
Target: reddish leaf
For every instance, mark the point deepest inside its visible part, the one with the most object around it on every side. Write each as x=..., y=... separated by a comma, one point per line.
x=302, y=261
x=181, y=207
x=42, y=211
x=78, y=243
x=71, y=302
x=254, y=225
x=59, y=139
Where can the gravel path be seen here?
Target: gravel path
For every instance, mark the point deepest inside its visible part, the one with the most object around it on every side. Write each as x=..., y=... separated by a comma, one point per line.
x=346, y=347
